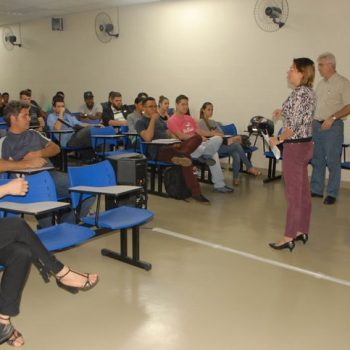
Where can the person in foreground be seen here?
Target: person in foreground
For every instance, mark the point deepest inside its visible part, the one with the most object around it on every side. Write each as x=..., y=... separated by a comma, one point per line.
x=297, y=112
x=19, y=248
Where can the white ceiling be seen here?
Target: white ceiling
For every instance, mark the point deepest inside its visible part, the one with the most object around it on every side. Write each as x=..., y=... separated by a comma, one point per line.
x=17, y=11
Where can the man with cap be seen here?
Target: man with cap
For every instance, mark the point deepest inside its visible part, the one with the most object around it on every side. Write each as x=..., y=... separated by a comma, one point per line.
x=90, y=110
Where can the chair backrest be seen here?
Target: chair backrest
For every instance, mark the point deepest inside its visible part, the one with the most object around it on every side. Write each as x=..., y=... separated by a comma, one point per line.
x=3, y=124
x=125, y=139
x=41, y=188
x=108, y=130
x=143, y=147
x=98, y=175
x=229, y=129
x=93, y=121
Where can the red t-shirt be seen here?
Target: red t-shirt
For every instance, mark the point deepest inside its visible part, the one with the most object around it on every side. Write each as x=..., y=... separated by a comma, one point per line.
x=185, y=124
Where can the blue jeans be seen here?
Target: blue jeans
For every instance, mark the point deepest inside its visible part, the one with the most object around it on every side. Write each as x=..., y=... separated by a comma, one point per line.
x=327, y=153
x=236, y=151
x=210, y=148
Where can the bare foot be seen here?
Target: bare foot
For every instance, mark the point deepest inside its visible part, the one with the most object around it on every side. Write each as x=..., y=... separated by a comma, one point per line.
x=254, y=171
x=235, y=182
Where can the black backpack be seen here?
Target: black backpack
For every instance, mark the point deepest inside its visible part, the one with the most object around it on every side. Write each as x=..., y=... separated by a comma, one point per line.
x=174, y=183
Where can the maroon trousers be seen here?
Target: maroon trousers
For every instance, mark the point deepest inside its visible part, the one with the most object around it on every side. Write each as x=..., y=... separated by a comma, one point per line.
x=296, y=157
x=185, y=148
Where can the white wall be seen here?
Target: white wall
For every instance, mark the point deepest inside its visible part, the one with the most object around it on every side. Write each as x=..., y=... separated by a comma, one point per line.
x=209, y=50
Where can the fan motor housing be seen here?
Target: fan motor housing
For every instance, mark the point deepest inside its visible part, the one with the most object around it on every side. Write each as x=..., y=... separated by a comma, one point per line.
x=11, y=39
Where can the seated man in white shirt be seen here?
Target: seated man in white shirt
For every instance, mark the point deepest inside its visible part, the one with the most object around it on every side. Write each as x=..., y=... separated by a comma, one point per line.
x=90, y=110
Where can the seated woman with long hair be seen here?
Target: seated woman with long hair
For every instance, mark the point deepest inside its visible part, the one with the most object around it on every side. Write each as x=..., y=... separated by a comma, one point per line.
x=19, y=248
x=163, y=106
x=233, y=146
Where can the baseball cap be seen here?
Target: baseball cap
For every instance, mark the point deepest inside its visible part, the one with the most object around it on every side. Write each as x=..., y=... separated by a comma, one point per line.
x=88, y=94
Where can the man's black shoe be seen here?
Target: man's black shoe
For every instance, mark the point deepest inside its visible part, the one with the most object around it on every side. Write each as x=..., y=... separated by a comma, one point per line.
x=201, y=199
x=316, y=195
x=329, y=200
x=207, y=160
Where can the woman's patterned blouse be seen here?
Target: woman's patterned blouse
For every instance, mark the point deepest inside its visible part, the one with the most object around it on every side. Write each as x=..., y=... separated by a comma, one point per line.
x=298, y=112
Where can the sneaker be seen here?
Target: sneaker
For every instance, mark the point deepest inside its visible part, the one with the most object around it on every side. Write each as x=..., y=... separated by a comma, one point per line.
x=224, y=189
x=201, y=199
x=207, y=160
x=329, y=200
x=181, y=160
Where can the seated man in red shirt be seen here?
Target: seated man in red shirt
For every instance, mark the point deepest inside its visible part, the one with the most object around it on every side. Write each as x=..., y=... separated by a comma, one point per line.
x=151, y=127
x=183, y=126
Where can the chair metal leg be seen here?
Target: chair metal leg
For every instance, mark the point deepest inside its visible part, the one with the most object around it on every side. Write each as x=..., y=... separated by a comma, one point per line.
x=271, y=173
x=123, y=255
x=160, y=180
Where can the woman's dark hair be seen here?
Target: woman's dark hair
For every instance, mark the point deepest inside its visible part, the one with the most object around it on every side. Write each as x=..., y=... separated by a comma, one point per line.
x=161, y=100
x=205, y=105
x=307, y=68
x=201, y=114
x=181, y=97
x=139, y=99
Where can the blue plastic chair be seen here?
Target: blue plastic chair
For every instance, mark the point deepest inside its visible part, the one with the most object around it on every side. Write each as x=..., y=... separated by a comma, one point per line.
x=119, y=218
x=229, y=129
x=98, y=142
x=57, y=237
x=345, y=164
x=271, y=172
x=156, y=168
x=3, y=124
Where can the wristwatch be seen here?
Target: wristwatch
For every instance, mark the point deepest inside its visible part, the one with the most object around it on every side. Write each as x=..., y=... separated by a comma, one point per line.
x=334, y=117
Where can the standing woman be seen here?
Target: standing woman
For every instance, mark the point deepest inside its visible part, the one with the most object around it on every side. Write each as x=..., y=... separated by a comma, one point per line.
x=163, y=106
x=297, y=112
x=233, y=146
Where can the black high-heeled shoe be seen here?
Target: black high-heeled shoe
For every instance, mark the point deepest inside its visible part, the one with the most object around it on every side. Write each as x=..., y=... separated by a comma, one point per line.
x=6, y=330
x=303, y=237
x=290, y=245
x=74, y=290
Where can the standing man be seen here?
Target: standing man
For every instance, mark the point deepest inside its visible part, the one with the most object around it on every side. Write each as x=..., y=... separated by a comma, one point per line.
x=333, y=104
